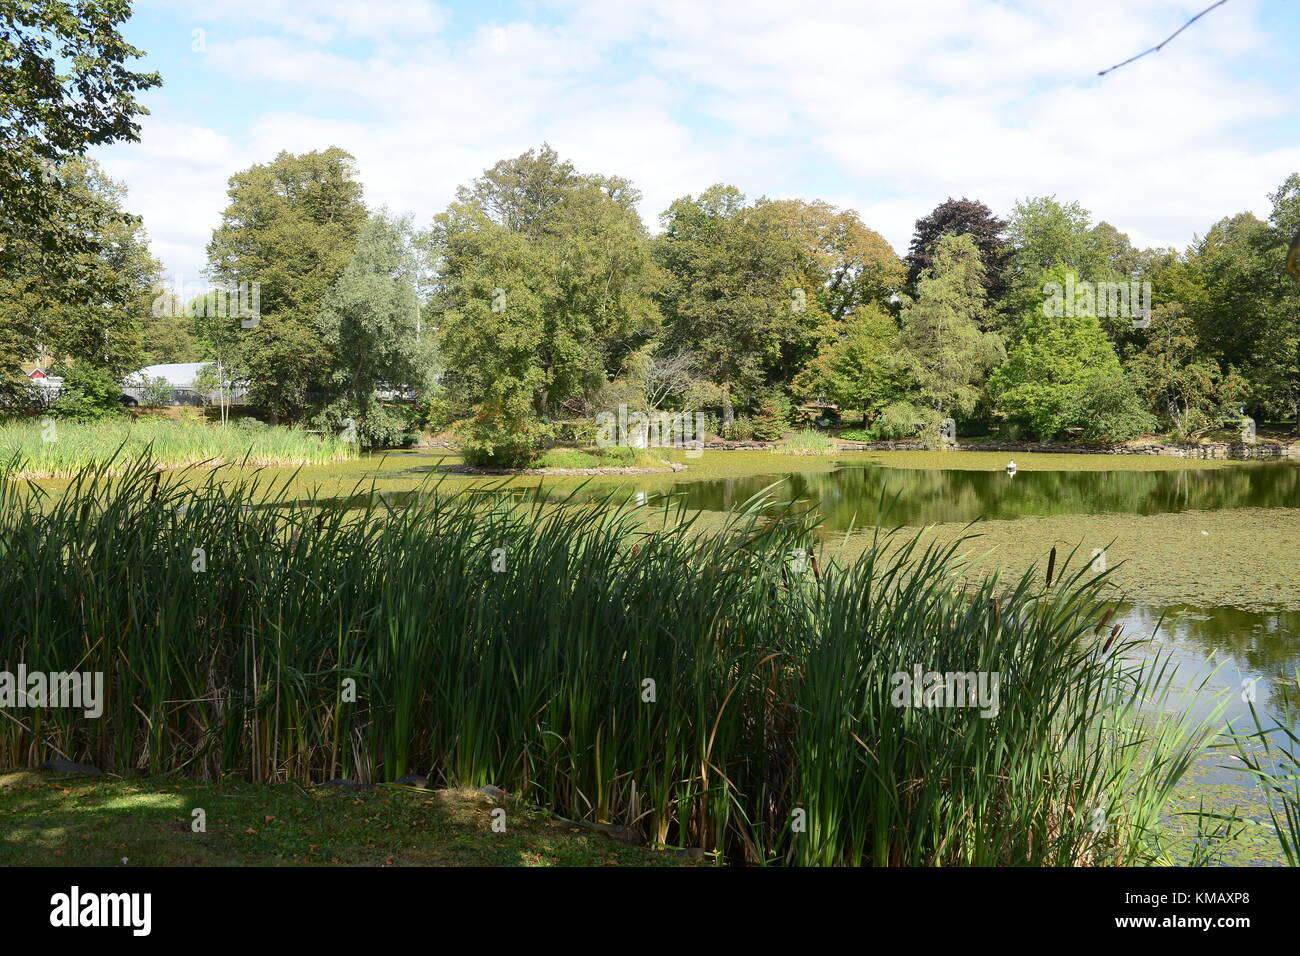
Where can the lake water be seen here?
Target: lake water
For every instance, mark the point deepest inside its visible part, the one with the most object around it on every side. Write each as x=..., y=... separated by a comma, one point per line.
x=860, y=494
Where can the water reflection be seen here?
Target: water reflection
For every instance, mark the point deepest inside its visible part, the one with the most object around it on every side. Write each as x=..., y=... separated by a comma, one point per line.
x=851, y=496
x=1233, y=648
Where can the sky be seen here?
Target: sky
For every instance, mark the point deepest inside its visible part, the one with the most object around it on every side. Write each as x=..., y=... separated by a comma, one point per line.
x=887, y=108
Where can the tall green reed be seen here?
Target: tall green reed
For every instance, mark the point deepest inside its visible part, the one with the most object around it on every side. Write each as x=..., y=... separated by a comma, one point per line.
x=727, y=690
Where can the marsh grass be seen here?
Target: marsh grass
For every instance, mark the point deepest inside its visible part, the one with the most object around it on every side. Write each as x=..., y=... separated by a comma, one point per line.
x=60, y=449
x=1272, y=756
x=770, y=733
x=809, y=441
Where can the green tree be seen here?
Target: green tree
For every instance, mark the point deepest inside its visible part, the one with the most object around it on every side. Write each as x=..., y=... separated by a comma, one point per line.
x=543, y=286
x=854, y=367
x=291, y=226
x=95, y=313
x=368, y=323
x=1178, y=380
x=1062, y=373
x=738, y=288
x=944, y=349
x=64, y=87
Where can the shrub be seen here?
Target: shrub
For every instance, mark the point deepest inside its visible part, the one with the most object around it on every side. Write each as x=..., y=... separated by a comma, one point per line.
x=809, y=441
x=771, y=416
x=1110, y=410
x=903, y=420
x=498, y=436
x=88, y=394
x=742, y=429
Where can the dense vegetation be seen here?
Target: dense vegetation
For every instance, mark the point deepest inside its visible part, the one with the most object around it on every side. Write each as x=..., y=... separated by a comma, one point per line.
x=539, y=300
x=709, y=690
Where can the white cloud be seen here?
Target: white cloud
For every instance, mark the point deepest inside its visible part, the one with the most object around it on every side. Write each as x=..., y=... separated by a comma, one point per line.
x=885, y=107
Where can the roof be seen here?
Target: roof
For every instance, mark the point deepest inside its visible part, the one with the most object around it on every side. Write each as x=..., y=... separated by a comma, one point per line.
x=177, y=374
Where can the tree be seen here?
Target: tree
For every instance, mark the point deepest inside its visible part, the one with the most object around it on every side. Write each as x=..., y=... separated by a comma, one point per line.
x=94, y=313
x=944, y=350
x=368, y=323
x=1045, y=233
x=1176, y=379
x=66, y=88
x=855, y=367
x=291, y=226
x=957, y=217
x=738, y=288
x=1062, y=373
x=544, y=284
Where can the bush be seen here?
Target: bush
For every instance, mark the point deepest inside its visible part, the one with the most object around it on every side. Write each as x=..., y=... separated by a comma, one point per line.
x=88, y=394
x=809, y=441
x=742, y=429
x=903, y=420
x=501, y=437
x=1109, y=410
x=772, y=416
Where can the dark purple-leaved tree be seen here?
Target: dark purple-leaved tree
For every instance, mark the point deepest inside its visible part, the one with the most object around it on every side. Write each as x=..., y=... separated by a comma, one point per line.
x=961, y=217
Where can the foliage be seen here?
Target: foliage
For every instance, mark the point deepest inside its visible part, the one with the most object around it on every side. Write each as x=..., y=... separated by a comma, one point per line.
x=367, y=324
x=1062, y=373
x=544, y=284
x=856, y=366
x=960, y=217
x=509, y=641
x=88, y=394
x=1177, y=379
x=95, y=314
x=945, y=351
x=291, y=225
x=67, y=88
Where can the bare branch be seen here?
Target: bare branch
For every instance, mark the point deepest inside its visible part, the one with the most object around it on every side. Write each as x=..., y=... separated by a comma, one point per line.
x=1159, y=46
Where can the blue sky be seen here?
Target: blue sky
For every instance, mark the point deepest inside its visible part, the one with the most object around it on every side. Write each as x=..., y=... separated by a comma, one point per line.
x=883, y=107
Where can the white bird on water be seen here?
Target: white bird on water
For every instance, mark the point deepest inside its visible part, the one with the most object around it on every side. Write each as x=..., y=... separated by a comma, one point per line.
x=1011, y=467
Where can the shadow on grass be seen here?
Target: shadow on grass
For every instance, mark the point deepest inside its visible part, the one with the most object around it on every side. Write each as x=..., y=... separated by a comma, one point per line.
x=103, y=821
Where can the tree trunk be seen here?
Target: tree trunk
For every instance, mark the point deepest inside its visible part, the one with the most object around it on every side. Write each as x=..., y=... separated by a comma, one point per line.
x=728, y=410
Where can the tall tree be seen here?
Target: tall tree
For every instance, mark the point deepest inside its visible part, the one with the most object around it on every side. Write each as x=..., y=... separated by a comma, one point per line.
x=855, y=366
x=95, y=311
x=1062, y=373
x=291, y=226
x=739, y=290
x=368, y=322
x=544, y=284
x=66, y=87
x=945, y=350
x=961, y=217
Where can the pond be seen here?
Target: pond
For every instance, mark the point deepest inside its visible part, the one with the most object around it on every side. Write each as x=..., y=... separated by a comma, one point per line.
x=861, y=494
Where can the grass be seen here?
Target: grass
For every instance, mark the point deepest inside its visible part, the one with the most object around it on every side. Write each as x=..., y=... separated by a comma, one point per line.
x=1272, y=756
x=704, y=690
x=809, y=441
x=613, y=457
x=60, y=449
x=99, y=821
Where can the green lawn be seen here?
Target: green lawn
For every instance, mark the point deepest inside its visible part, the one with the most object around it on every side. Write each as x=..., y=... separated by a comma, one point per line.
x=48, y=820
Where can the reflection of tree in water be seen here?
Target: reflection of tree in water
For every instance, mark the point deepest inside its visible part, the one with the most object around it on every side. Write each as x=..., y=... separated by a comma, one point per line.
x=852, y=495
x=1264, y=644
